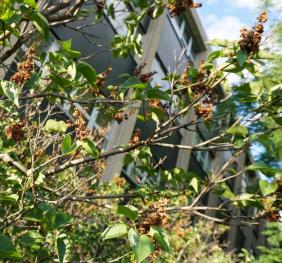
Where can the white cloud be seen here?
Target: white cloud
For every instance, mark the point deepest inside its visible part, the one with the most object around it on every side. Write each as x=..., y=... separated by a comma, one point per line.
x=254, y=5
x=211, y=2
x=250, y=4
x=226, y=27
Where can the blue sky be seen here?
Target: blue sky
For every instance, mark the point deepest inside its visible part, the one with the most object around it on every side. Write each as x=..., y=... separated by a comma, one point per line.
x=224, y=18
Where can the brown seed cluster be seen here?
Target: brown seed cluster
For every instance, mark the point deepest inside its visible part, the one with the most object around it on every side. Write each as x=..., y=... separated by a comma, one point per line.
x=120, y=116
x=25, y=67
x=101, y=78
x=154, y=216
x=15, y=131
x=251, y=39
x=155, y=103
x=273, y=216
x=204, y=109
x=101, y=5
x=119, y=181
x=99, y=166
x=180, y=6
x=143, y=77
x=136, y=137
x=81, y=130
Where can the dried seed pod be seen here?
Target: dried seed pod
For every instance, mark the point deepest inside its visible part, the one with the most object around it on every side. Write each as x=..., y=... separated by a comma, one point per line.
x=15, y=132
x=118, y=117
x=180, y=6
x=25, y=67
x=136, y=137
x=251, y=39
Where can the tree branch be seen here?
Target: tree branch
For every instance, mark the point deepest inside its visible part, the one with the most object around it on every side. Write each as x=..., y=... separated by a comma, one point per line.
x=6, y=158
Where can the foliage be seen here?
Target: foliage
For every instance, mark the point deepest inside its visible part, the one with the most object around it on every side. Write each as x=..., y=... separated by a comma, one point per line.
x=273, y=252
x=200, y=243
x=54, y=203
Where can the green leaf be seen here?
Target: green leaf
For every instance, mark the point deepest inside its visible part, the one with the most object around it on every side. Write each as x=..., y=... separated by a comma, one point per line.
x=194, y=184
x=267, y=187
x=237, y=130
x=89, y=147
x=41, y=23
x=156, y=93
x=133, y=237
x=219, y=42
x=9, y=198
x=278, y=120
x=128, y=159
x=129, y=211
x=242, y=56
x=62, y=244
x=114, y=231
x=133, y=83
x=160, y=236
x=67, y=147
x=31, y=3
x=144, y=248
x=214, y=55
x=71, y=69
x=155, y=118
x=256, y=87
x=67, y=44
x=10, y=90
x=224, y=190
x=32, y=240
x=88, y=72
x=262, y=54
x=55, y=126
x=40, y=179
x=7, y=249
x=264, y=168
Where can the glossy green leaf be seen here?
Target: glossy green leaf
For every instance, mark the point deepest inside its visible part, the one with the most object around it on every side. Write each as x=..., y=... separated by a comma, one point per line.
x=242, y=56
x=114, y=231
x=144, y=248
x=262, y=54
x=67, y=147
x=161, y=237
x=129, y=211
x=133, y=237
x=264, y=168
x=219, y=42
x=71, y=69
x=224, y=190
x=31, y=3
x=194, y=184
x=41, y=23
x=62, y=244
x=9, y=197
x=133, y=83
x=267, y=187
x=214, y=55
x=10, y=89
x=32, y=240
x=88, y=72
x=7, y=249
x=55, y=126
x=89, y=147
x=156, y=93
x=237, y=130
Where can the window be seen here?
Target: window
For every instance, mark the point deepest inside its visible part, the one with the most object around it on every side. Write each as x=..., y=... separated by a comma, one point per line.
x=203, y=157
x=121, y=13
x=158, y=77
x=183, y=32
